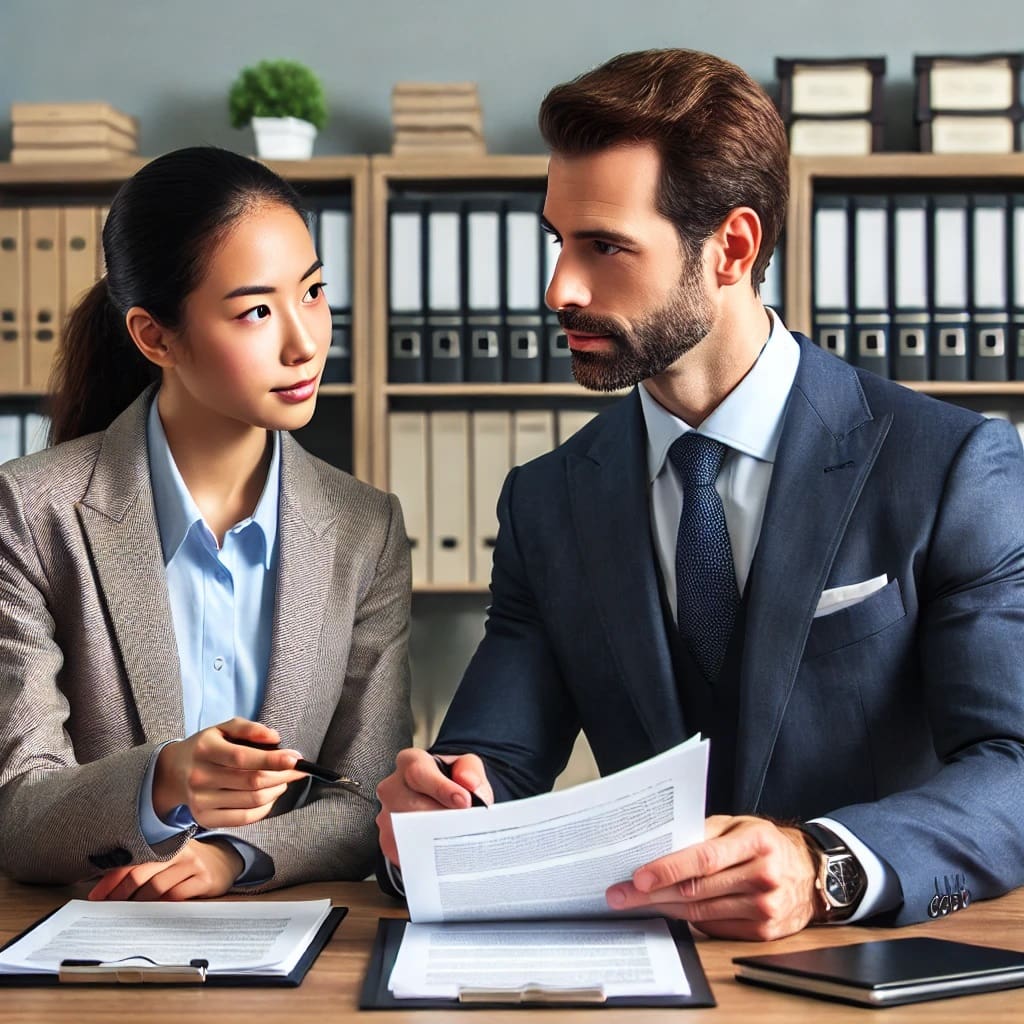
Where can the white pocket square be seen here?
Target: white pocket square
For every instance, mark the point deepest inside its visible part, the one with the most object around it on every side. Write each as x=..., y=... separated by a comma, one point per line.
x=853, y=593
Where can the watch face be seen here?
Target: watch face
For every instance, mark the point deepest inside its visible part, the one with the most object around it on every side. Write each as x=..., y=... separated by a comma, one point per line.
x=845, y=881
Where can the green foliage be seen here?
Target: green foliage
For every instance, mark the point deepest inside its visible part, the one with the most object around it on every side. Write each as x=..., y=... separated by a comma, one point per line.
x=277, y=88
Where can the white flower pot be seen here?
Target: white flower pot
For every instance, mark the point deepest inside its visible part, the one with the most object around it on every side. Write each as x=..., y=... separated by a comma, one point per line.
x=283, y=138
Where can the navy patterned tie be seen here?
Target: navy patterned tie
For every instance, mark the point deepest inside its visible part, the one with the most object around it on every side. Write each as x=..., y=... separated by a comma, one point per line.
x=706, y=595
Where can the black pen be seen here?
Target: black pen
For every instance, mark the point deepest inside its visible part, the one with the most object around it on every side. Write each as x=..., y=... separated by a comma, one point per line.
x=446, y=771
x=317, y=771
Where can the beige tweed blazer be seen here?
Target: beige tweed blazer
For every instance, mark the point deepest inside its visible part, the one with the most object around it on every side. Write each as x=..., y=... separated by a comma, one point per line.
x=89, y=673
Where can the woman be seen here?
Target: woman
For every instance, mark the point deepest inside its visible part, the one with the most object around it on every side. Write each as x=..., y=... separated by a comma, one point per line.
x=177, y=566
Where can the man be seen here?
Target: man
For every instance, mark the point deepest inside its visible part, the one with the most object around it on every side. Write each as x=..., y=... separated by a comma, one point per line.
x=819, y=569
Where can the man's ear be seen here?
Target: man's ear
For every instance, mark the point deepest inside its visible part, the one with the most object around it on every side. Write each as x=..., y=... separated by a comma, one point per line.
x=735, y=245
x=151, y=338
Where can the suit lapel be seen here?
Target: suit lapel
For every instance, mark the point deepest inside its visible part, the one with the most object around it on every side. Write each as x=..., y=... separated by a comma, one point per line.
x=306, y=533
x=119, y=523
x=829, y=444
x=608, y=496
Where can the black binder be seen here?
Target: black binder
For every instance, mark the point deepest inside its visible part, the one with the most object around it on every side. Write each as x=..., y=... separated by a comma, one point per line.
x=950, y=260
x=1017, y=290
x=375, y=994
x=445, y=254
x=406, y=291
x=524, y=288
x=246, y=980
x=832, y=275
x=334, y=245
x=485, y=331
x=911, y=319
x=990, y=317
x=871, y=282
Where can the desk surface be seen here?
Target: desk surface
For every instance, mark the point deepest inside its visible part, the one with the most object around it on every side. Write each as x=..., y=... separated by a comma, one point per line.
x=331, y=989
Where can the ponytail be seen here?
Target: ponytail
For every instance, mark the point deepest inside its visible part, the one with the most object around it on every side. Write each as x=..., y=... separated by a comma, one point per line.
x=98, y=371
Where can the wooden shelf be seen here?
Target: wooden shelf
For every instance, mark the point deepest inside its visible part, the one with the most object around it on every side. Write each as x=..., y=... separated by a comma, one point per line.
x=448, y=168
x=954, y=388
x=337, y=390
x=451, y=588
x=467, y=390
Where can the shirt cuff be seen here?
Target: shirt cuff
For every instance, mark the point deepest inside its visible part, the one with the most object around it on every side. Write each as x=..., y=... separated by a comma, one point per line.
x=883, y=890
x=154, y=828
x=257, y=867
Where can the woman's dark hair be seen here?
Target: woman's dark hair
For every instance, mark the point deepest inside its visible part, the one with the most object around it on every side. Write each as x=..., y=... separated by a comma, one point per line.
x=164, y=225
x=721, y=140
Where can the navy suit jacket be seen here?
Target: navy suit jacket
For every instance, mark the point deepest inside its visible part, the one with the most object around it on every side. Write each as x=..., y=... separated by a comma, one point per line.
x=901, y=717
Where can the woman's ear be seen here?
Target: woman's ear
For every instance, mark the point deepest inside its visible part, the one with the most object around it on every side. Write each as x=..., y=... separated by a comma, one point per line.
x=151, y=338
x=736, y=244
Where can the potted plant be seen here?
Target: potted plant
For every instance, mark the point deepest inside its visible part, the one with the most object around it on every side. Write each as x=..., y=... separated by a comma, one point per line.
x=284, y=102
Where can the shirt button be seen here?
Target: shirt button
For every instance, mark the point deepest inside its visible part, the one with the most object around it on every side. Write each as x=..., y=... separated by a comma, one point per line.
x=218, y=663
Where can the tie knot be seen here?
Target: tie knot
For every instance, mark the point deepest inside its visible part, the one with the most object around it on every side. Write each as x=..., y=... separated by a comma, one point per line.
x=697, y=458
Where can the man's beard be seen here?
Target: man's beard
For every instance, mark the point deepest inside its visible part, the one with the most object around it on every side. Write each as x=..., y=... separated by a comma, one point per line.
x=645, y=348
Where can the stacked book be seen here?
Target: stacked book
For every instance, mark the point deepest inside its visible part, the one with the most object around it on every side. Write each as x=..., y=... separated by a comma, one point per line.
x=64, y=132
x=436, y=117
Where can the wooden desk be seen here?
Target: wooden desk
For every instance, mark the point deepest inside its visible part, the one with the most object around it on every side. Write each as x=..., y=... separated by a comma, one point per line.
x=330, y=991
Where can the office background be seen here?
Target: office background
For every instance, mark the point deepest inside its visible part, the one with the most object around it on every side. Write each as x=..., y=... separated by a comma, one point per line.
x=171, y=65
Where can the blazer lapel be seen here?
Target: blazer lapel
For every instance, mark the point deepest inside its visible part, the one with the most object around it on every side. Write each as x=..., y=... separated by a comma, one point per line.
x=829, y=444
x=119, y=523
x=608, y=497
x=306, y=534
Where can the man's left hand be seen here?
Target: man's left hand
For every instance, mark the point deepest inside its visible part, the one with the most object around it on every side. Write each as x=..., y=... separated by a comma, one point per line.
x=748, y=879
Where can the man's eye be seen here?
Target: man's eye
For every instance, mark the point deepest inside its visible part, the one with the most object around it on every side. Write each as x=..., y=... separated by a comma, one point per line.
x=606, y=248
x=256, y=313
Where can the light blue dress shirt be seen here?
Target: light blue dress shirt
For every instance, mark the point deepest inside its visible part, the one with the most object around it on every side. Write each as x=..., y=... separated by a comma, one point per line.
x=222, y=604
x=749, y=422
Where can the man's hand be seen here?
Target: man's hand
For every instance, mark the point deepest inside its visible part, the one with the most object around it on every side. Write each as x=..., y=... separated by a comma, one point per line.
x=749, y=879
x=223, y=784
x=207, y=868
x=417, y=784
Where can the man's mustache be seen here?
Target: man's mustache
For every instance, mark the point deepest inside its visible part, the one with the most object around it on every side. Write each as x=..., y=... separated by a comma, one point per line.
x=578, y=321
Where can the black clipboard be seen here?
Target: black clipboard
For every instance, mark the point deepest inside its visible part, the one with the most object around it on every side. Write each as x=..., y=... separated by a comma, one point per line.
x=375, y=994
x=291, y=980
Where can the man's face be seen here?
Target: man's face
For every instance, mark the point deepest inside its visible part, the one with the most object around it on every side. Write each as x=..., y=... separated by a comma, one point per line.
x=629, y=300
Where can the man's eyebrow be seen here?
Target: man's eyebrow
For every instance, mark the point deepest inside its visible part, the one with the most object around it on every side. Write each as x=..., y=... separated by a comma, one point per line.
x=265, y=289
x=603, y=234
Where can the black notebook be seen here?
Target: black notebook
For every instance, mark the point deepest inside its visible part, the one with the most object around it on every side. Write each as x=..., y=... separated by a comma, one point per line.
x=887, y=972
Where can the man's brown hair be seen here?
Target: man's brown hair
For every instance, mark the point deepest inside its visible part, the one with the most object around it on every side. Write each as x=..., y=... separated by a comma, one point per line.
x=721, y=140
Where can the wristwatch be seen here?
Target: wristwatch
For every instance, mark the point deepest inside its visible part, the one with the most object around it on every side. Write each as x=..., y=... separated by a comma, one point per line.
x=841, y=880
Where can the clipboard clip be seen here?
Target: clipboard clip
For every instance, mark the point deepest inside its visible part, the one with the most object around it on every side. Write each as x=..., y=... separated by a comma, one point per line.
x=531, y=994
x=119, y=972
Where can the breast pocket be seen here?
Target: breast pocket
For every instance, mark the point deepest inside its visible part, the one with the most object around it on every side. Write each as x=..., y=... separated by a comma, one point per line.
x=857, y=622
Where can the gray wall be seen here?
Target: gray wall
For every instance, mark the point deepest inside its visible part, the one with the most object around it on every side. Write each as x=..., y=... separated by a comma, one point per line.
x=170, y=63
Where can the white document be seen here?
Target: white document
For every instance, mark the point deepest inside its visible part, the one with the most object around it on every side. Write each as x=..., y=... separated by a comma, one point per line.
x=627, y=957
x=235, y=938
x=552, y=856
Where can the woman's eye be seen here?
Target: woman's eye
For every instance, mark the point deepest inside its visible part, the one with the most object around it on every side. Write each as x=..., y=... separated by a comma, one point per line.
x=256, y=313
x=315, y=291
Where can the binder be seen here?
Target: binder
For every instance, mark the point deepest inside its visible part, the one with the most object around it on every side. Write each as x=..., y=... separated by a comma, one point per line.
x=13, y=328
x=406, y=251
x=335, y=248
x=485, y=361
x=990, y=318
x=949, y=285
x=524, y=304
x=911, y=320
x=45, y=292
x=445, y=363
x=1017, y=271
x=492, y=460
x=533, y=434
x=449, y=497
x=832, y=275
x=871, y=282
x=376, y=996
x=572, y=420
x=772, y=287
x=79, y=241
x=408, y=458
x=557, y=355
x=10, y=436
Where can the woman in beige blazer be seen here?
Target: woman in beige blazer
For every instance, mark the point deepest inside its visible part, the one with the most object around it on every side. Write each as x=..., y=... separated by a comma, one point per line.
x=178, y=556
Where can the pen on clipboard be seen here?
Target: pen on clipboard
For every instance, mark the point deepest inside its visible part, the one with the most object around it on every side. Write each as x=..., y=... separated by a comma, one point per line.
x=446, y=770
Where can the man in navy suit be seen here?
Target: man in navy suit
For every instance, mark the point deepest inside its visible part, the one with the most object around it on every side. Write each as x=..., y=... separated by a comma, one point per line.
x=838, y=602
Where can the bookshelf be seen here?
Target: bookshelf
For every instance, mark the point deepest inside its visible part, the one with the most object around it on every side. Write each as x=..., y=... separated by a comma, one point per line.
x=898, y=172
x=343, y=410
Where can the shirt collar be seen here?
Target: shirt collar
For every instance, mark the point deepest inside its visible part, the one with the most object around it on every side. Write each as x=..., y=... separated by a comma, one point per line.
x=177, y=512
x=750, y=417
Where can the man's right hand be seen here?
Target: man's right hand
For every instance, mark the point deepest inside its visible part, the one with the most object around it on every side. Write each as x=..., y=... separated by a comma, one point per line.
x=223, y=782
x=417, y=784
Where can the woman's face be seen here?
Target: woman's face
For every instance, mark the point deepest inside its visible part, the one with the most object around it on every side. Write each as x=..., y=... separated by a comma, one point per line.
x=257, y=328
